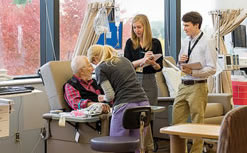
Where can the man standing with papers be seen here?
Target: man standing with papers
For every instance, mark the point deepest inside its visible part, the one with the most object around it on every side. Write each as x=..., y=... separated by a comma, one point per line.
x=197, y=61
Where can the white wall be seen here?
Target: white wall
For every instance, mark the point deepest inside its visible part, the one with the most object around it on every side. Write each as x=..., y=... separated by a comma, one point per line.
x=26, y=119
x=229, y=4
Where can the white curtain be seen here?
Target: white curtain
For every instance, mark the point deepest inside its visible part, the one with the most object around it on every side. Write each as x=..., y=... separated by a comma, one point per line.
x=87, y=36
x=229, y=20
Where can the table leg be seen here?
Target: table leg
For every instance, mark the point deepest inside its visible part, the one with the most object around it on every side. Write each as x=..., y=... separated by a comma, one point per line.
x=177, y=144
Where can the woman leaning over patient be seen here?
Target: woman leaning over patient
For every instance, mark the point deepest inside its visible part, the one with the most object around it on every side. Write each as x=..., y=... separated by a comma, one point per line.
x=117, y=77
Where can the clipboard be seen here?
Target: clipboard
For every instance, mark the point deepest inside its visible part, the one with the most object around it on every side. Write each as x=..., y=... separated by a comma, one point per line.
x=156, y=57
x=193, y=66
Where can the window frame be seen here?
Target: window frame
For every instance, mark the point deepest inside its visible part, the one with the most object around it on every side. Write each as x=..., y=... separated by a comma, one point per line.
x=172, y=28
x=49, y=31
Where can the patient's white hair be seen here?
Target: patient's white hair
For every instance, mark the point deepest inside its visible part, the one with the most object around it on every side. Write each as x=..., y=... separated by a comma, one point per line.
x=77, y=63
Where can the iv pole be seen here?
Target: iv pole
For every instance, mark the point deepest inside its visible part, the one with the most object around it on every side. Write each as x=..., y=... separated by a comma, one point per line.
x=218, y=82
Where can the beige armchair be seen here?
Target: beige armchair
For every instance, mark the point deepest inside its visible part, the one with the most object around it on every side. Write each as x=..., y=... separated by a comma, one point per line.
x=218, y=104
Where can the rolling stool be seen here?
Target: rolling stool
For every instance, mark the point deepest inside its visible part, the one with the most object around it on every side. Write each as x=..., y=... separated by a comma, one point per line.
x=133, y=118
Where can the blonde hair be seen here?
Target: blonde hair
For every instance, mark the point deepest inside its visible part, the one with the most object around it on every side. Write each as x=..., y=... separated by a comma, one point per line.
x=104, y=53
x=147, y=33
x=94, y=51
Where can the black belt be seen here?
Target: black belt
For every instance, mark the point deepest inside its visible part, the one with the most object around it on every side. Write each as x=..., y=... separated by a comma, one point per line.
x=191, y=82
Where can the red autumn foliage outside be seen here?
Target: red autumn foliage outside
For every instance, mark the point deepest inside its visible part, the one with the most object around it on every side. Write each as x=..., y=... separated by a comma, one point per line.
x=71, y=17
x=22, y=59
x=20, y=49
x=20, y=53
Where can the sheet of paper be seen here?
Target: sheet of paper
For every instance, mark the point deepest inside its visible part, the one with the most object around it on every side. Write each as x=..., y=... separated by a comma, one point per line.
x=193, y=66
x=156, y=57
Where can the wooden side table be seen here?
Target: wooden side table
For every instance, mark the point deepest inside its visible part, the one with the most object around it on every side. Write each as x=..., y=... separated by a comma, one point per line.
x=178, y=134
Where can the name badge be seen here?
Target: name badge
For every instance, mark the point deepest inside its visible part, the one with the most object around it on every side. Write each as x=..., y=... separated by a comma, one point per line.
x=139, y=69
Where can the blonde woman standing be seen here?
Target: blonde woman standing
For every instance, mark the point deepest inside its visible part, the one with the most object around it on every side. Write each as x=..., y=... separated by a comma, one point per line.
x=140, y=49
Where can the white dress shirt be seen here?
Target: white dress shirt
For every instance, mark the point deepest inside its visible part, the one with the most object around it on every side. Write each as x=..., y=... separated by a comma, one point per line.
x=203, y=52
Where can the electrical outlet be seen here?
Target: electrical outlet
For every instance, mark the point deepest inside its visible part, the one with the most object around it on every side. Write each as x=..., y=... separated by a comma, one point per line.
x=43, y=133
x=17, y=137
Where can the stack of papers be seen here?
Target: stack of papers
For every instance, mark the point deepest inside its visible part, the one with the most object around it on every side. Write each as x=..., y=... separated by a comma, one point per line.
x=193, y=66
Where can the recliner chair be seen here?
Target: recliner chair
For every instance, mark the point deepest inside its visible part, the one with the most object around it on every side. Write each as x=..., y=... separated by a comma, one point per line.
x=233, y=132
x=62, y=139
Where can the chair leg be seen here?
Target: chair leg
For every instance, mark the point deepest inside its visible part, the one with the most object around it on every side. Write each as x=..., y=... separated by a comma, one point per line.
x=165, y=147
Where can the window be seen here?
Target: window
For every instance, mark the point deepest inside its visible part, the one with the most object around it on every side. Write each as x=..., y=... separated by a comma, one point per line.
x=20, y=36
x=130, y=8
x=25, y=35
x=71, y=17
x=204, y=8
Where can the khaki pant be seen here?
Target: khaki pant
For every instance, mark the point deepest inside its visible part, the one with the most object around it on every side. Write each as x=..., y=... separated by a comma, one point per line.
x=191, y=100
x=149, y=144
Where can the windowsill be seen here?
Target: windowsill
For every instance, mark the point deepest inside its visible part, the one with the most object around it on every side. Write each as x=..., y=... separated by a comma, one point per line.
x=21, y=82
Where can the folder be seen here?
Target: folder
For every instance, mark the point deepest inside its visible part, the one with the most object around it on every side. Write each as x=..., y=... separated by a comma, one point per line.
x=193, y=66
x=156, y=57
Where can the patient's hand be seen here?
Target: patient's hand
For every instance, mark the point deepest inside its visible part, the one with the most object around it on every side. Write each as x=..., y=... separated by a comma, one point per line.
x=105, y=108
x=101, y=98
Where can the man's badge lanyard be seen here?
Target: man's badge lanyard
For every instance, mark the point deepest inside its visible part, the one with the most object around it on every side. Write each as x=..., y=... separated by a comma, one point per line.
x=190, y=49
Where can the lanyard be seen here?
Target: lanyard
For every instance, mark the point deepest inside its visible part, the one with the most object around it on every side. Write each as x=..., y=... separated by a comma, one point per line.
x=190, y=49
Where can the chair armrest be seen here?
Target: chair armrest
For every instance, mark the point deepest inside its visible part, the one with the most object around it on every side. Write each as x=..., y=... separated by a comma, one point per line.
x=224, y=98
x=166, y=99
